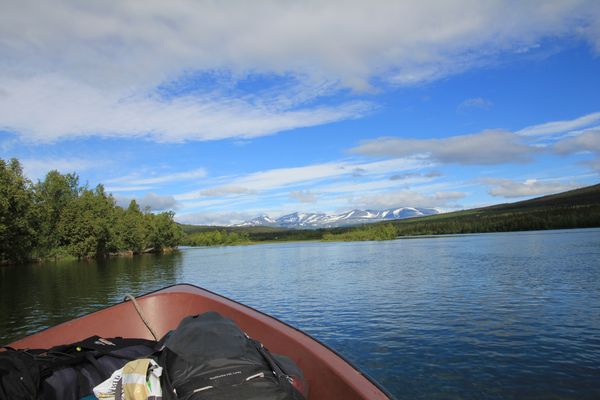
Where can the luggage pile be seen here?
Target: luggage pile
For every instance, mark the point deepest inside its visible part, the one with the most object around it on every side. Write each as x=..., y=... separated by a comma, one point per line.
x=207, y=357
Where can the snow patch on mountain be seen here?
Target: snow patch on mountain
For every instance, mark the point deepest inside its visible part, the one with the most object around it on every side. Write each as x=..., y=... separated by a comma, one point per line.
x=354, y=217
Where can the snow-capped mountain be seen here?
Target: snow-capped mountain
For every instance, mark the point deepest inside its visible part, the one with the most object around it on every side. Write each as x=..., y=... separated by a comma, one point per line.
x=354, y=217
x=263, y=220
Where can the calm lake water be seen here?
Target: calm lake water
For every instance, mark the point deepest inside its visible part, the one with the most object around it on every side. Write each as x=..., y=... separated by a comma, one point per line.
x=496, y=316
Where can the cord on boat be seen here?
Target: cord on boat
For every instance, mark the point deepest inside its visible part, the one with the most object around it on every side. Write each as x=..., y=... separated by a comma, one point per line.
x=141, y=314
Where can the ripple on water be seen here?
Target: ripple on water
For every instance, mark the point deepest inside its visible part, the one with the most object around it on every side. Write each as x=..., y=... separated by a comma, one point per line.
x=466, y=317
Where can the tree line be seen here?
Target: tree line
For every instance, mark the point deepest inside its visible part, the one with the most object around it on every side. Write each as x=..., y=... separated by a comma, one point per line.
x=578, y=210
x=385, y=231
x=58, y=217
x=217, y=237
x=487, y=220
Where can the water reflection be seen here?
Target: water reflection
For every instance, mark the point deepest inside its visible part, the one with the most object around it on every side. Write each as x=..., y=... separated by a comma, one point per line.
x=33, y=297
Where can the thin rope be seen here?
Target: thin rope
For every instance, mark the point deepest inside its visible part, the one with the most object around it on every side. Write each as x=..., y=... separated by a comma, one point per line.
x=141, y=314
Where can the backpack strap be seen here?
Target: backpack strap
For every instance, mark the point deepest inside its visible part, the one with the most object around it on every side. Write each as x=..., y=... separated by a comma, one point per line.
x=282, y=376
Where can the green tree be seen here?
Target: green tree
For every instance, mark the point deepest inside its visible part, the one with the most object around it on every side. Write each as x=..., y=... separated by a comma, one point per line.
x=88, y=224
x=163, y=232
x=132, y=229
x=52, y=196
x=18, y=216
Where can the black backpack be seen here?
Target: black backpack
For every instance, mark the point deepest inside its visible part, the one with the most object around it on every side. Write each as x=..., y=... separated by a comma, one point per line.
x=19, y=375
x=209, y=357
x=66, y=372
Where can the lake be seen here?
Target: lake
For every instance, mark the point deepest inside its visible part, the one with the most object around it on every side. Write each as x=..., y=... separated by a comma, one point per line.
x=495, y=316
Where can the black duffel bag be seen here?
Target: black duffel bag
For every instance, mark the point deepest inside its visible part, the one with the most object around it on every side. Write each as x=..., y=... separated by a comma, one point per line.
x=209, y=357
x=66, y=372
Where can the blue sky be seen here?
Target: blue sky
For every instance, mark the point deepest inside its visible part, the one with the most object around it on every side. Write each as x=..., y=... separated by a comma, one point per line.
x=225, y=111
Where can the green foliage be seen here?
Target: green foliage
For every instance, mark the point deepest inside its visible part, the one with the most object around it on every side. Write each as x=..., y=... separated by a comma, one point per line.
x=133, y=228
x=216, y=238
x=88, y=224
x=18, y=215
x=52, y=196
x=502, y=220
x=249, y=234
x=163, y=232
x=368, y=232
x=58, y=218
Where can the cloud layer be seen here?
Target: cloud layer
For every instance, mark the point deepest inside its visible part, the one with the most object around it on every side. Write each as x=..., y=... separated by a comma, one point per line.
x=51, y=108
x=70, y=69
x=109, y=43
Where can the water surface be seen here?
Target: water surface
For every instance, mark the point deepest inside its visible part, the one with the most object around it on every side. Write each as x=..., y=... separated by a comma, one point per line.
x=507, y=315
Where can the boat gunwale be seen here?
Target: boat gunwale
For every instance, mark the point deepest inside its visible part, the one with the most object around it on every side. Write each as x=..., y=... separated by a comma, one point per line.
x=170, y=288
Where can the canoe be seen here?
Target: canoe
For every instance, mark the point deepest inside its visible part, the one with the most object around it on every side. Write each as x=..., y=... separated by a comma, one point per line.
x=328, y=374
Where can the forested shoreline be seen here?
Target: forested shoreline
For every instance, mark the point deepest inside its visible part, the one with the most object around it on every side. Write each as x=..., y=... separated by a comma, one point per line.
x=57, y=217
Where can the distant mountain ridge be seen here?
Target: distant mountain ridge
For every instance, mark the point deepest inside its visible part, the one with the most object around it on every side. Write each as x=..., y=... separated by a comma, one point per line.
x=355, y=217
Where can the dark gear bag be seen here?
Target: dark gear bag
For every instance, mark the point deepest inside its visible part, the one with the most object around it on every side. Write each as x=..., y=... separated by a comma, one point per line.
x=66, y=372
x=19, y=375
x=209, y=357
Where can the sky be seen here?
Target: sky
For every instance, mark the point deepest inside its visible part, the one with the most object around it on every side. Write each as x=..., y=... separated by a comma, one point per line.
x=224, y=111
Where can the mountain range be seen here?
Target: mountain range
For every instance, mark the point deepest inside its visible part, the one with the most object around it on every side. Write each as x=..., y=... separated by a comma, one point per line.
x=355, y=217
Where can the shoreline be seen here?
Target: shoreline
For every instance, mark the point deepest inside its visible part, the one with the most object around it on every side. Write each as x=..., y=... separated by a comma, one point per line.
x=406, y=237
x=130, y=254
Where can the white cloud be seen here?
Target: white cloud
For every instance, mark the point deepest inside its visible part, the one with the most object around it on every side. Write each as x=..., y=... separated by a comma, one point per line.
x=96, y=68
x=410, y=198
x=493, y=146
x=116, y=189
x=38, y=168
x=415, y=175
x=214, y=218
x=509, y=188
x=282, y=178
x=174, y=177
x=487, y=147
x=584, y=141
x=587, y=141
x=127, y=41
x=303, y=196
x=69, y=109
x=152, y=201
x=554, y=127
x=225, y=191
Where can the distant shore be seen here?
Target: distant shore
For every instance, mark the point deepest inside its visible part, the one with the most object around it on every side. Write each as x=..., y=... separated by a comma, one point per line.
x=578, y=208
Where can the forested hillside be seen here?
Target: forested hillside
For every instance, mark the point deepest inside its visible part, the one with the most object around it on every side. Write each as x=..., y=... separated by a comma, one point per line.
x=578, y=208
x=57, y=217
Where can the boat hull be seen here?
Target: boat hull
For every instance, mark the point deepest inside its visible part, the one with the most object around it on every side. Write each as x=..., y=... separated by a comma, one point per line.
x=329, y=376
